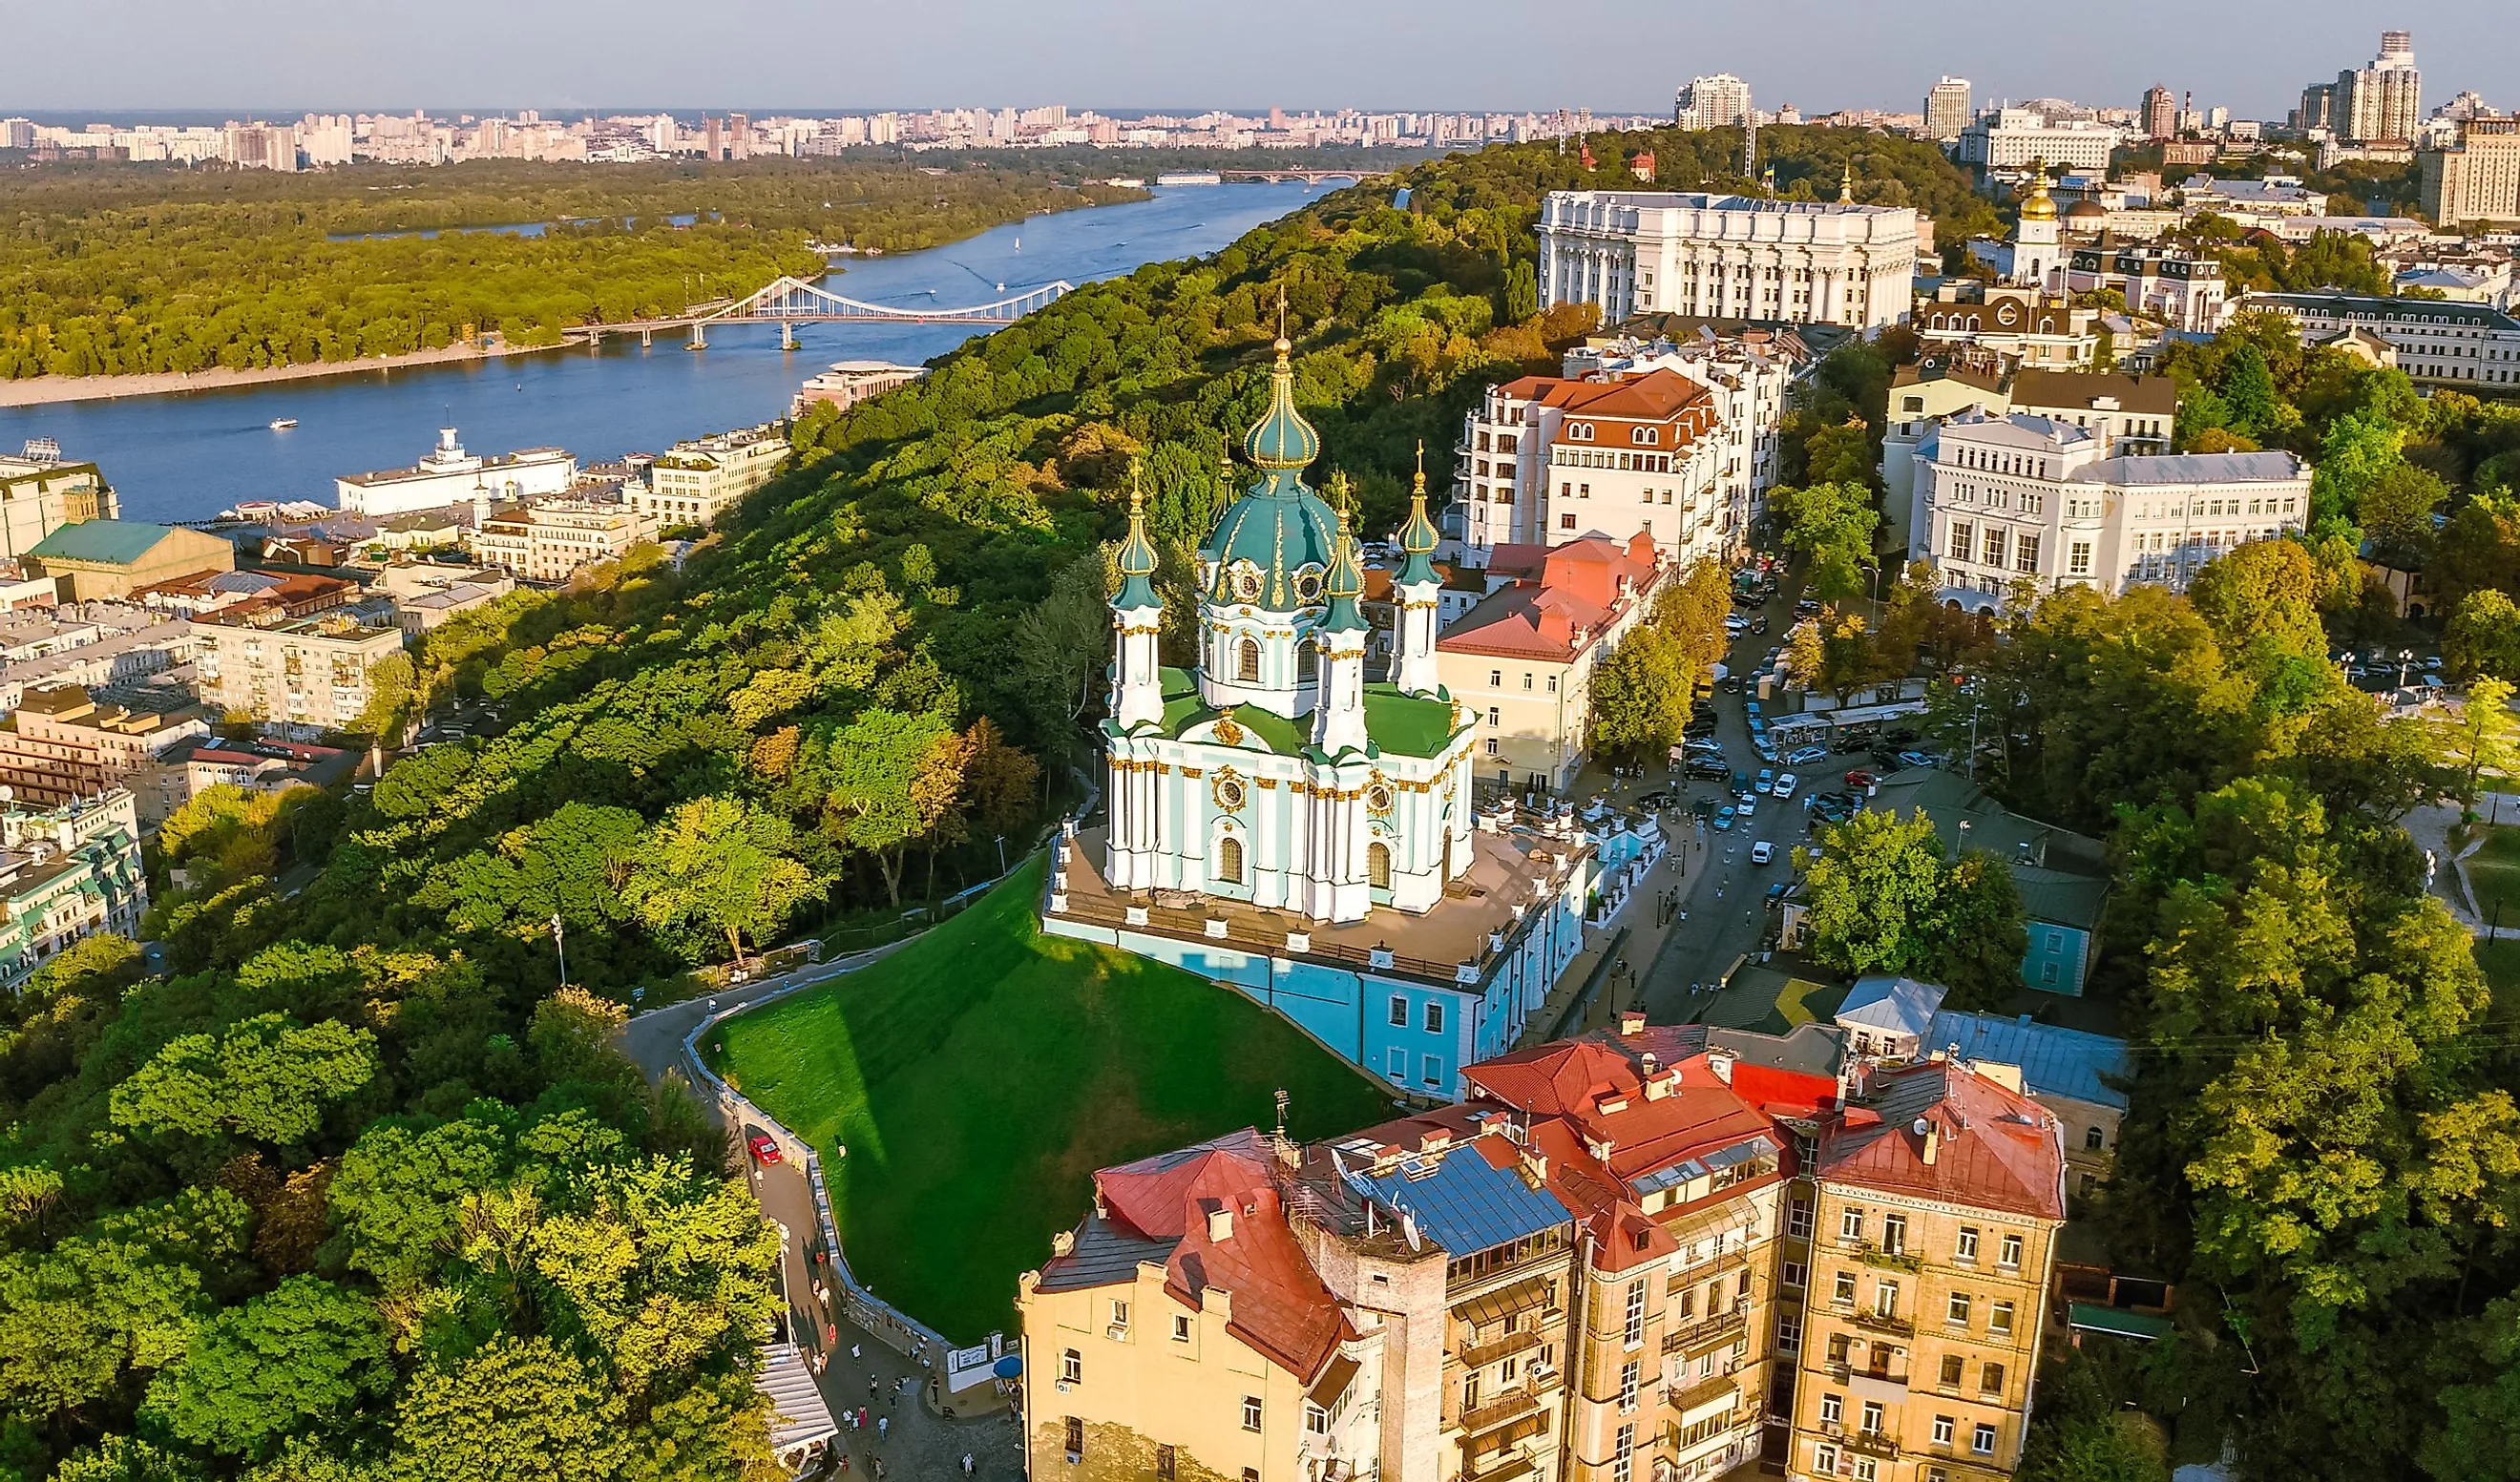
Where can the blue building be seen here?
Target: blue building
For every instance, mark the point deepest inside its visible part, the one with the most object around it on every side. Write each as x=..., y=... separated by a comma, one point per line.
x=2062, y=876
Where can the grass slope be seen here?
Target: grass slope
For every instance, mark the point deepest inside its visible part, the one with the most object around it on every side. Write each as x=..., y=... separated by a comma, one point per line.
x=981, y=1074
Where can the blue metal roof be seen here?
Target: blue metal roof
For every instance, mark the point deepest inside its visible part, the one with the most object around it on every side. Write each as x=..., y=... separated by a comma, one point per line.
x=2055, y=1060
x=1460, y=1201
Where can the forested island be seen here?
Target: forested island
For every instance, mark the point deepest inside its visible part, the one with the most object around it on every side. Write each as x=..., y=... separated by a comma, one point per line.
x=138, y=269
x=348, y=1192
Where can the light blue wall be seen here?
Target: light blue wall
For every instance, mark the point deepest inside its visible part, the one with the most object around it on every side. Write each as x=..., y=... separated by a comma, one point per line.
x=2057, y=958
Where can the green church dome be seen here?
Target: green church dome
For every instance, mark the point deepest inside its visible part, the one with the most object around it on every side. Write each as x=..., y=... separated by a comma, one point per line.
x=1272, y=546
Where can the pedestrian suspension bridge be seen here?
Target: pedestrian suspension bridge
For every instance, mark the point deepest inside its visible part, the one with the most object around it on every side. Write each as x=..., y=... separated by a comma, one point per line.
x=791, y=301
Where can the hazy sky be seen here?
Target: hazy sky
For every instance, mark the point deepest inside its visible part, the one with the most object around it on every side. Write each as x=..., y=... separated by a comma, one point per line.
x=280, y=56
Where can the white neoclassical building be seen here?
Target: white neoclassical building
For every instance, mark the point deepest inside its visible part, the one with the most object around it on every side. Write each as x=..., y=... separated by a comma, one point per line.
x=1722, y=257
x=1272, y=772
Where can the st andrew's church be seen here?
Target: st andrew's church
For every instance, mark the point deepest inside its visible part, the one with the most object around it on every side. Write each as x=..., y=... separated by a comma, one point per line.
x=1274, y=772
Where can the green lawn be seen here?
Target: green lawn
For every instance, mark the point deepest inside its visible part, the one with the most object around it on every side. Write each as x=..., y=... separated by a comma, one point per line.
x=2500, y=961
x=981, y=1075
x=2494, y=873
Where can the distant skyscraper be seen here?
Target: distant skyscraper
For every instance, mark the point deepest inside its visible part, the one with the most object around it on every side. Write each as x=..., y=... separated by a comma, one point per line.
x=1947, y=109
x=2160, y=112
x=2383, y=100
x=1722, y=101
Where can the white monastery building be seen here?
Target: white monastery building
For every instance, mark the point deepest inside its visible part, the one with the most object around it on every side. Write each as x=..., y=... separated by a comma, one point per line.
x=1728, y=257
x=449, y=476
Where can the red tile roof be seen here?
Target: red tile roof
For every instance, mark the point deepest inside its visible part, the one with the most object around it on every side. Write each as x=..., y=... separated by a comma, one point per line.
x=1993, y=1148
x=1582, y=586
x=1279, y=1307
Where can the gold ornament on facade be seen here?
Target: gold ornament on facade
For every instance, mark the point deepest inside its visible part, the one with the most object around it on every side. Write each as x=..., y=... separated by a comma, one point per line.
x=1377, y=793
x=1227, y=790
x=1229, y=730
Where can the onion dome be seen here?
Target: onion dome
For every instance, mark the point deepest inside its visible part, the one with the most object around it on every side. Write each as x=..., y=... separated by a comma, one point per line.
x=1344, y=586
x=1282, y=439
x=1136, y=557
x=1846, y=185
x=1272, y=547
x=1418, y=537
x=2040, y=206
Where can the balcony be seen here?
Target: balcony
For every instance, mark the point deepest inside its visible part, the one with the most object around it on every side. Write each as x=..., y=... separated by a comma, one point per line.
x=1705, y=1332
x=1505, y=1347
x=1873, y=1443
x=1883, y=1323
x=1699, y=1393
x=1502, y=1410
x=1890, y=1260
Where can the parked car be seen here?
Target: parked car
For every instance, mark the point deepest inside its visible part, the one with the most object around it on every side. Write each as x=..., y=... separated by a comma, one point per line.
x=1698, y=746
x=1920, y=759
x=1767, y=778
x=1706, y=768
x=1763, y=853
x=1731, y=683
x=1859, y=778
x=1723, y=819
x=764, y=1151
x=1697, y=729
x=1748, y=808
x=1736, y=624
x=1806, y=608
x=1752, y=709
x=1702, y=807
x=1777, y=893
x=1767, y=750
x=1804, y=756
x=1786, y=785
x=1759, y=624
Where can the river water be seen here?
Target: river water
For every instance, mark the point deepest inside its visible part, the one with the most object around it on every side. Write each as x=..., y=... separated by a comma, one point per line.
x=187, y=455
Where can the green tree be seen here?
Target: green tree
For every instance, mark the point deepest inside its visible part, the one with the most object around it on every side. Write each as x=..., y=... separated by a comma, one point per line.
x=399, y=1196
x=1690, y=612
x=1874, y=894
x=520, y=1410
x=1522, y=294
x=2397, y=512
x=2248, y=391
x=307, y=1354
x=264, y=1078
x=2480, y=738
x=1831, y=524
x=1981, y=932
x=887, y=780
x=1640, y=698
x=722, y=864
x=2483, y=637
x=2358, y=452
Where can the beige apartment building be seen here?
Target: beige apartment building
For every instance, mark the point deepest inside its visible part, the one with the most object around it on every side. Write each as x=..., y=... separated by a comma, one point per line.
x=552, y=540
x=693, y=482
x=2477, y=179
x=39, y=494
x=1935, y=1201
x=312, y=673
x=1522, y=659
x=60, y=746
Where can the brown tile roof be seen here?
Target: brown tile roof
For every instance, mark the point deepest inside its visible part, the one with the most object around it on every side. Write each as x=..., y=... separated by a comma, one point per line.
x=1993, y=1148
x=2151, y=395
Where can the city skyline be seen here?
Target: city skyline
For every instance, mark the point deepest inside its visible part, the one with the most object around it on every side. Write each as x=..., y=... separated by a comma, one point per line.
x=1129, y=56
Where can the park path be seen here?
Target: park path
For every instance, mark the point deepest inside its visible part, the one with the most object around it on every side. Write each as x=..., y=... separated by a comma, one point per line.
x=904, y=1426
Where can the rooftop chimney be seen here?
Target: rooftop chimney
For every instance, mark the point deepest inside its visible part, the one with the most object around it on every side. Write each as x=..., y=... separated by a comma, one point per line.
x=1720, y=1062
x=1220, y=1220
x=1933, y=1140
x=1064, y=1243
x=1632, y=1022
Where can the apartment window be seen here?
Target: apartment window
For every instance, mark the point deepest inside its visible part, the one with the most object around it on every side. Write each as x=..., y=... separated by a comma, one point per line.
x=1492, y=715
x=1492, y=746
x=1167, y=1462
x=1832, y=1410
x=1999, y=1319
x=2025, y=552
x=1844, y=1296
x=1885, y=1299
x=1990, y=1379
x=1552, y=684
x=1994, y=539
x=2078, y=558
x=1872, y=1417
x=1071, y=1367
x=2094, y=1139
x=1075, y=1438
x=1789, y=1334
x=1687, y=1302
x=1798, y=1217
x=1793, y=1274
x=1120, y=1317
x=1434, y=1017
x=1629, y=1376
x=1894, y=1232
x=1943, y=1425
x=1496, y=679
x=1964, y=541
x=1317, y=1420
x=1958, y=1312
x=1824, y=1459
x=1952, y=1364
x=1634, y=1331
x=1981, y=1441
x=1566, y=521
x=1181, y=1328
x=1849, y=1224
x=1251, y=1413
x=1527, y=679
x=2009, y=1255
x=1399, y=1011
x=1867, y=1469
x=1623, y=1448
x=1934, y=1474
x=1967, y=1248
x=1470, y=1392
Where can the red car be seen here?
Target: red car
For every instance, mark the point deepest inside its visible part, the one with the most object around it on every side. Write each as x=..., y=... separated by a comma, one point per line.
x=764, y=1151
x=1859, y=779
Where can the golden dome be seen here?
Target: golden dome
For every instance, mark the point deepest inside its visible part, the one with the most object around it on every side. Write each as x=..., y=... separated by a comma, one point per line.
x=2040, y=206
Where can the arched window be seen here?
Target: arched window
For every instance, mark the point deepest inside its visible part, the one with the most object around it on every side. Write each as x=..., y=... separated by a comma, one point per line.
x=1246, y=666
x=1377, y=866
x=1228, y=860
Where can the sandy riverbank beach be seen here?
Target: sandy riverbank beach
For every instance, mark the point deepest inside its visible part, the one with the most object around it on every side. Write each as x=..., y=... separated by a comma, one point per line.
x=43, y=390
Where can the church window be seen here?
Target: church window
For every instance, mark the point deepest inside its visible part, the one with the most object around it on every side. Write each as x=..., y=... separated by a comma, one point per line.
x=1228, y=860
x=1377, y=875
x=1246, y=663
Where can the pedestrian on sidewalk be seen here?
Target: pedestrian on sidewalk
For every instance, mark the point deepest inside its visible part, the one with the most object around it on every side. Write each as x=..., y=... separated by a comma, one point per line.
x=883, y=1425
x=967, y=1463
x=853, y=1353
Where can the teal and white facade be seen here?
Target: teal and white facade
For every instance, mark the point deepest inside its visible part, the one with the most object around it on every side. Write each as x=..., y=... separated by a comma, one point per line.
x=66, y=872
x=1272, y=772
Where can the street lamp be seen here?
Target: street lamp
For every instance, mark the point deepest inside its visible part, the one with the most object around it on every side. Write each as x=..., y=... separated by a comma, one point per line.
x=560, y=945
x=2405, y=657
